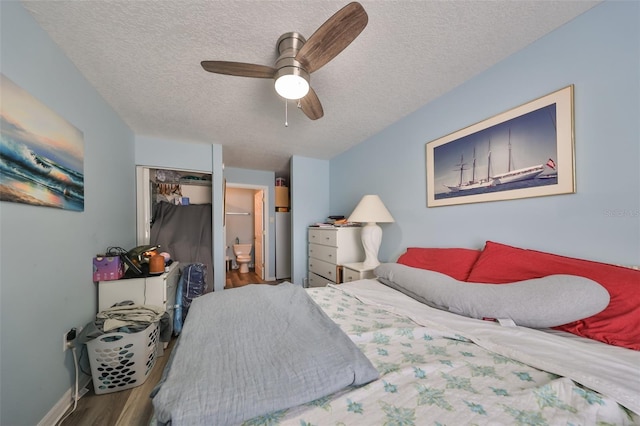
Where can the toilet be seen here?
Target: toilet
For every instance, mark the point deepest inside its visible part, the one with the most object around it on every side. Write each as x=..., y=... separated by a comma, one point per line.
x=243, y=256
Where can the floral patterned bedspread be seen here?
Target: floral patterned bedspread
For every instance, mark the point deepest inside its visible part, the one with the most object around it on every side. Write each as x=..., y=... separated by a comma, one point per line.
x=430, y=376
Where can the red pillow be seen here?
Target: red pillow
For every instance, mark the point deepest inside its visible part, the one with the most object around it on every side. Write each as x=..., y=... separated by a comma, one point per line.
x=455, y=262
x=618, y=324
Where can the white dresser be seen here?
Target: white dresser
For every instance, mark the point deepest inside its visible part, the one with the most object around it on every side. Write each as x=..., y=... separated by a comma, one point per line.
x=158, y=291
x=329, y=249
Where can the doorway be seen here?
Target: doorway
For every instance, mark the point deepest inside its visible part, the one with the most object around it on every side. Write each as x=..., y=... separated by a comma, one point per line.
x=245, y=221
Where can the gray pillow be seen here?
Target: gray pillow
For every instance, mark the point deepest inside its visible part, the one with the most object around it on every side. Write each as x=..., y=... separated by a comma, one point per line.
x=538, y=303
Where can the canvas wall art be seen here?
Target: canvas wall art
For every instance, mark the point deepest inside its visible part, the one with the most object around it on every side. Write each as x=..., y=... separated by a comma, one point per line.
x=527, y=151
x=41, y=154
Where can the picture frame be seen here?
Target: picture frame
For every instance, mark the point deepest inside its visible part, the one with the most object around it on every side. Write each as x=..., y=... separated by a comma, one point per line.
x=527, y=151
x=42, y=153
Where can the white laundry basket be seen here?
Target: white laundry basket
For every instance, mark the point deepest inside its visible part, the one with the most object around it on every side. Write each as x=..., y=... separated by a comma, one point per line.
x=121, y=361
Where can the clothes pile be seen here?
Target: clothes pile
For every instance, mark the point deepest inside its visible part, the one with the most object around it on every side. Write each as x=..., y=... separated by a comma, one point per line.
x=127, y=317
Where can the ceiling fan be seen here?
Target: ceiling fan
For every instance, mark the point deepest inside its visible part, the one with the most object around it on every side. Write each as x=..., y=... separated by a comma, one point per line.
x=299, y=58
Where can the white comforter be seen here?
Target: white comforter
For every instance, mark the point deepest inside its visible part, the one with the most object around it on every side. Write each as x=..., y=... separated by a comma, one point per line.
x=440, y=368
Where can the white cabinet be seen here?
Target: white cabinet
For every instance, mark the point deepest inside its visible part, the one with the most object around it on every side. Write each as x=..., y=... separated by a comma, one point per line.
x=329, y=249
x=356, y=271
x=158, y=291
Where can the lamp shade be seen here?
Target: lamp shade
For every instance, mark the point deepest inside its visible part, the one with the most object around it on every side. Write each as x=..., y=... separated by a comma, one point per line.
x=371, y=209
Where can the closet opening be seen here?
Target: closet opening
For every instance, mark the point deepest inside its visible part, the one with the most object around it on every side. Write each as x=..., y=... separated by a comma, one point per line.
x=174, y=211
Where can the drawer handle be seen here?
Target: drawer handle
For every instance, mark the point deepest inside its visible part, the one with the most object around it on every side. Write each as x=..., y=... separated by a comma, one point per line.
x=329, y=272
x=330, y=255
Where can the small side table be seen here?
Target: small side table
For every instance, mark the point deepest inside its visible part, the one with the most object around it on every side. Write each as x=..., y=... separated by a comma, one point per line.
x=356, y=271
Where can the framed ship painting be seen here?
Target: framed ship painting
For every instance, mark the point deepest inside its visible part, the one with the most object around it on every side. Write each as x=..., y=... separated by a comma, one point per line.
x=527, y=151
x=41, y=154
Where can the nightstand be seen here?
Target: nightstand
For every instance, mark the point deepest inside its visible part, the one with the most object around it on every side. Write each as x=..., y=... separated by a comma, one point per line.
x=356, y=271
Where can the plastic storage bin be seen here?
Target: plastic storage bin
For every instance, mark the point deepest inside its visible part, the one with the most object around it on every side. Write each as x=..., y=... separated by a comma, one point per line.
x=121, y=361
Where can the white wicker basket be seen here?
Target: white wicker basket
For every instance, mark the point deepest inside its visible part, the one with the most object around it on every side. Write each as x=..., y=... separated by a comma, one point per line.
x=121, y=361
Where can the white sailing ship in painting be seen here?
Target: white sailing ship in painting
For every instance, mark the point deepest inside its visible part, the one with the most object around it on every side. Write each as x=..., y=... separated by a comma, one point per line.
x=473, y=183
x=510, y=176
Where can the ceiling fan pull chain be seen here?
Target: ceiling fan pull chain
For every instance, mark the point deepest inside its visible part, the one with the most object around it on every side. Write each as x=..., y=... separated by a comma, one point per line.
x=286, y=114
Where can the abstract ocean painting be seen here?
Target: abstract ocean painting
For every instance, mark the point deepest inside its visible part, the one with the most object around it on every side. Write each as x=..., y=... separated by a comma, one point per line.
x=41, y=154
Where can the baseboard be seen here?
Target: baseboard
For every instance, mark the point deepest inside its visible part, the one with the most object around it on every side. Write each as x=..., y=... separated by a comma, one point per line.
x=61, y=407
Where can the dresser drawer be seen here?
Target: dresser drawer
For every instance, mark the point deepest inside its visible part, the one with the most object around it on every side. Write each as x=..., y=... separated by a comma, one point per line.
x=325, y=253
x=316, y=280
x=324, y=269
x=349, y=274
x=327, y=237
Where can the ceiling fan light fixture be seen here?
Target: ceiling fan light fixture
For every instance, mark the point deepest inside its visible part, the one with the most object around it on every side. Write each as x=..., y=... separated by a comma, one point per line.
x=299, y=57
x=292, y=83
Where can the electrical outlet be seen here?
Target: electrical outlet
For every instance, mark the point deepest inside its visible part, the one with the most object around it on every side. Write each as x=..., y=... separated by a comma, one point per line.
x=69, y=337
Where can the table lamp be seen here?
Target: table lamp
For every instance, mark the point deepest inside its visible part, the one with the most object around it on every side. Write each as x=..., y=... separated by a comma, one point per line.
x=370, y=210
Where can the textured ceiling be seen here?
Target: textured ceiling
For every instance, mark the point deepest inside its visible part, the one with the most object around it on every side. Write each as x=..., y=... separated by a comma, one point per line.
x=144, y=58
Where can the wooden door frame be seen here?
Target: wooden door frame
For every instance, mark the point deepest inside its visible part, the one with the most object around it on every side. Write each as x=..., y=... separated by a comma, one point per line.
x=259, y=263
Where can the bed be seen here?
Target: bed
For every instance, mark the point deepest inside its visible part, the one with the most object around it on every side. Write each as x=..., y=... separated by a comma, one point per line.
x=233, y=365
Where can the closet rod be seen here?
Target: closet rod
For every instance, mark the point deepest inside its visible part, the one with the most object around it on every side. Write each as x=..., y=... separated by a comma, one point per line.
x=193, y=182
x=239, y=213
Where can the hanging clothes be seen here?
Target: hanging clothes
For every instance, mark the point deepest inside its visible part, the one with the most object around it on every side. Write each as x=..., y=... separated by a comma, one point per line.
x=192, y=284
x=185, y=232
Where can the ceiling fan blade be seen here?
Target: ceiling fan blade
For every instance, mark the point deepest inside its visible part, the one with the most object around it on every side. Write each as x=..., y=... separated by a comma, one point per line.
x=311, y=105
x=333, y=37
x=239, y=69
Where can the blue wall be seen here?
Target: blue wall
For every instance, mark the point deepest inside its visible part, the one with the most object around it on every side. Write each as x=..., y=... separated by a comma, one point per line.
x=309, y=204
x=599, y=53
x=170, y=154
x=46, y=254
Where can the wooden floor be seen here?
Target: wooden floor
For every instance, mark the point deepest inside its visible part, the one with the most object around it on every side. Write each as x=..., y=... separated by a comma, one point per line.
x=236, y=279
x=132, y=407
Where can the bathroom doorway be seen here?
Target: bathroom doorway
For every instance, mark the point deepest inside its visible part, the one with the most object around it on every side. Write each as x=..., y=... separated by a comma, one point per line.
x=245, y=224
